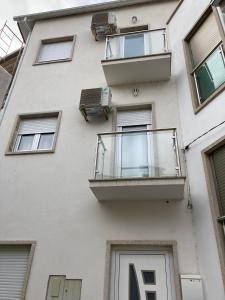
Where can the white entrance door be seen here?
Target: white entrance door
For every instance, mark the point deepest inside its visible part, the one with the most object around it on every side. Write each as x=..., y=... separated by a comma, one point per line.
x=142, y=275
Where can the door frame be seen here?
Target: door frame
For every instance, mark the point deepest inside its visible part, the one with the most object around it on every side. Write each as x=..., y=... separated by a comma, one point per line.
x=168, y=246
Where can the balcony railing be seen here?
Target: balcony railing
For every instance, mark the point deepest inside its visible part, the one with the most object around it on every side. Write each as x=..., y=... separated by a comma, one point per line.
x=136, y=44
x=137, y=154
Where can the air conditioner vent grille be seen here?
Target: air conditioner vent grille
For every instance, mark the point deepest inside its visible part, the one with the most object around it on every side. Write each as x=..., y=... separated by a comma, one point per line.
x=95, y=102
x=100, y=19
x=91, y=97
x=103, y=24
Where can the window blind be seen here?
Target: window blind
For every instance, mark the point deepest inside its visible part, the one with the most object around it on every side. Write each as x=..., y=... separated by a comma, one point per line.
x=55, y=51
x=13, y=268
x=37, y=125
x=205, y=39
x=218, y=160
x=134, y=117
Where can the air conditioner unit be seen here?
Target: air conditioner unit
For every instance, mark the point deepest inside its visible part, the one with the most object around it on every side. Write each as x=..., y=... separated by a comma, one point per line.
x=103, y=24
x=95, y=102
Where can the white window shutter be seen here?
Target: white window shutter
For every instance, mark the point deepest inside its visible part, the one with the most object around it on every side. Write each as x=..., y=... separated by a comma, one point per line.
x=205, y=39
x=37, y=125
x=55, y=51
x=134, y=117
x=13, y=268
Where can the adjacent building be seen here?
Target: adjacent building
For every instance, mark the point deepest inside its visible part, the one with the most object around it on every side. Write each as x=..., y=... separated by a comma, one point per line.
x=112, y=155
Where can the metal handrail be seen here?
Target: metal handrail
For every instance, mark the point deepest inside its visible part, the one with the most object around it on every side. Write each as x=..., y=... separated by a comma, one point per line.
x=135, y=32
x=136, y=131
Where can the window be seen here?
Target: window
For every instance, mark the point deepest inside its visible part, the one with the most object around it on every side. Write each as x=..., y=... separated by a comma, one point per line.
x=205, y=60
x=214, y=162
x=134, y=153
x=222, y=12
x=55, y=50
x=14, y=266
x=35, y=133
x=218, y=166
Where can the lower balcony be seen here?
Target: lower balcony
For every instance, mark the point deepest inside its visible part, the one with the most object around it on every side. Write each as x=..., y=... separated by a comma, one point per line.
x=138, y=165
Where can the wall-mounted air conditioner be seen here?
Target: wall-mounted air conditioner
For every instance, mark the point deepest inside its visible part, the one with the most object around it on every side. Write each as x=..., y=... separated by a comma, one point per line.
x=95, y=102
x=103, y=24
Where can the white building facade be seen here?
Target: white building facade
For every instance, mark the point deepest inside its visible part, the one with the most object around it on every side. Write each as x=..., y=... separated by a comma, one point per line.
x=99, y=199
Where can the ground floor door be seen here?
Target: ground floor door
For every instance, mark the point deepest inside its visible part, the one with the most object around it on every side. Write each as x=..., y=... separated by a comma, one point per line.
x=142, y=275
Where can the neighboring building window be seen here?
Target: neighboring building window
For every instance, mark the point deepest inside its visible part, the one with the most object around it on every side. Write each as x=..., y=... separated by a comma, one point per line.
x=222, y=12
x=218, y=165
x=14, y=261
x=60, y=288
x=35, y=133
x=55, y=50
x=205, y=59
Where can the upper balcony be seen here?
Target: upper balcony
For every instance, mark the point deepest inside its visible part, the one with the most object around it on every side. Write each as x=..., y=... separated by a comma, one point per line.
x=137, y=57
x=138, y=165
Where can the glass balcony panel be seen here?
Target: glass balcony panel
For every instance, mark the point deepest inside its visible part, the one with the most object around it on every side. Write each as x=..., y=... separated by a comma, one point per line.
x=137, y=154
x=136, y=44
x=210, y=75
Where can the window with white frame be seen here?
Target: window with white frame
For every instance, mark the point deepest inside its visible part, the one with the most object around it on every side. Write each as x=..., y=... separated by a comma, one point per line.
x=58, y=49
x=36, y=133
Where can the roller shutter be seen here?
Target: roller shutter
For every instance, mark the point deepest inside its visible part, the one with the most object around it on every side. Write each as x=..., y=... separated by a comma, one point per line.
x=38, y=125
x=134, y=117
x=205, y=39
x=13, y=268
x=218, y=160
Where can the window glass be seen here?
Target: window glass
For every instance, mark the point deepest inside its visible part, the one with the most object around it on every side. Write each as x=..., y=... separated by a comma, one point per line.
x=210, y=75
x=134, y=152
x=134, y=45
x=149, y=277
x=134, y=293
x=25, y=142
x=150, y=295
x=46, y=141
x=55, y=51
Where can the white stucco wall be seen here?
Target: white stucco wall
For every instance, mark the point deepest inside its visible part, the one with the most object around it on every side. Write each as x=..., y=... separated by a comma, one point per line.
x=193, y=125
x=46, y=197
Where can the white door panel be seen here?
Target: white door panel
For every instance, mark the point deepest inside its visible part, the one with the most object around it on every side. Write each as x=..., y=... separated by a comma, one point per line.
x=142, y=276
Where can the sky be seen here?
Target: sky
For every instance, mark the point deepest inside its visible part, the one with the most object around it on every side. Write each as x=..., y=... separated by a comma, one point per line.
x=10, y=8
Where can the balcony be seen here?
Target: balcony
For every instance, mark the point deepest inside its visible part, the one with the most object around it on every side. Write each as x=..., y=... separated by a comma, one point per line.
x=138, y=165
x=137, y=57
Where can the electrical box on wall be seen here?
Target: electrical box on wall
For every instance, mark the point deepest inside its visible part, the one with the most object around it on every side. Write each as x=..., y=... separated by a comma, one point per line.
x=191, y=287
